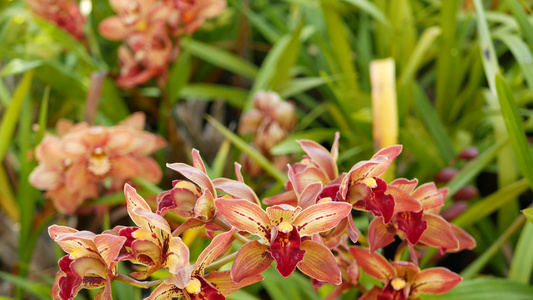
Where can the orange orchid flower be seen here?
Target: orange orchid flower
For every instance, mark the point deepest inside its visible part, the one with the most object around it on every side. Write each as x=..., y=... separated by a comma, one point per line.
x=283, y=230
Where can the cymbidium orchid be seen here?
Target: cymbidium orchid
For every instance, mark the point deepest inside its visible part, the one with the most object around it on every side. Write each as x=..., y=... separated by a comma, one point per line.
x=191, y=281
x=91, y=262
x=418, y=224
x=64, y=13
x=270, y=121
x=284, y=230
x=73, y=167
x=363, y=188
x=151, y=243
x=193, y=13
x=402, y=280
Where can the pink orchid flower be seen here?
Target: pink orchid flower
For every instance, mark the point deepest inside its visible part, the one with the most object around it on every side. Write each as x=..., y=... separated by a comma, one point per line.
x=193, y=13
x=283, y=230
x=91, y=262
x=151, y=243
x=193, y=283
x=64, y=13
x=402, y=280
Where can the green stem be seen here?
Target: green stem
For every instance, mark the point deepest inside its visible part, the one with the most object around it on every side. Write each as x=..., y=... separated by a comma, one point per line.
x=227, y=227
x=219, y=263
x=481, y=261
x=137, y=283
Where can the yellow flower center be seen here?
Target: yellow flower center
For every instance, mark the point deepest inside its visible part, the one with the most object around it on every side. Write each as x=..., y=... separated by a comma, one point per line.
x=370, y=182
x=398, y=284
x=99, y=163
x=142, y=234
x=285, y=227
x=194, y=286
x=141, y=25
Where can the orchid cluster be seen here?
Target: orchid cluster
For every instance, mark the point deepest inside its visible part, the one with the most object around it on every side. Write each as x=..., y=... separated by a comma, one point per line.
x=270, y=121
x=149, y=30
x=82, y=161
x=64, y=13
x=309, y=227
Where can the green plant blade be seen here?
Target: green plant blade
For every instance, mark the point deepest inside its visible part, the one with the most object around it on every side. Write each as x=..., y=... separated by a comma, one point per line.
x=244, y=147
x=525, y=25
x=370, y=9
x=220, y=58
x=514, y=128
x=522, y=263
x=234, y=96
x=289, y=145
x=486, y=288
x=11, y=116
x=528, y=212
x=18, y=66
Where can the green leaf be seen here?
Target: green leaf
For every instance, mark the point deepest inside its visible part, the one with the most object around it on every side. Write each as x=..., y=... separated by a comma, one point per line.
x=287, y=60
x=422, y=47
x=434, y=125
x=525, y=25
x=274, y=61
x=12, y=115
x=522, y=55
x=513, y=123
x=236, y=97
x=259, y=22
x=179, y=75
x=486, y=288
x=18, y=66
x=522, y=262
x=528, y=212
x=220, y=58
x=289, y=145
x=299, y=85
x=491, y=203
x=38, y=290
x=370, y=9
x=244, y=147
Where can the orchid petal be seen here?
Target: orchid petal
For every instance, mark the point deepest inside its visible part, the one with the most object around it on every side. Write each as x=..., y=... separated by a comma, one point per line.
x=373, y=263
x=439, y=233
x=285, y=249
x=45, y=178
x=150, y=221
x=282, y=213
x=109, y=247
x=434, y=281
x=380, y=234
x=390, y=153
x=125, y=166
x=55, y=230
x=321, y=217
x=321, y=157
x=352, y=230
x=466, y=241
x=105, y=293
x=205, y=209
x=429, y=196
x=379, y=203
x=412, y=224
x=165, y=292
x=245, y=215
x=217, y=247
x=182, y=277
x=406, y=185
x=177, y=255
x=225, y=285
x=306, y=177
x=237, y=189
x=146, y=252
x=288, y=198
x=197, y=161
x=252, y=259
x=319, y=263
x=133, y=200
x=195, y=175
x=238, y=173
x=309, y=195
x=189, y=224
x=403, y=201
x=88, y=266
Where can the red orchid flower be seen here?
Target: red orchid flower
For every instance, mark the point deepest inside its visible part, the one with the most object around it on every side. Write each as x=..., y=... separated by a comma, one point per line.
x=363, y=188
x=417, y=221
x=307, y=178
x=283, y=229
x=91, y=262
x=191, y=281
x=403, y=280
x=151, y=243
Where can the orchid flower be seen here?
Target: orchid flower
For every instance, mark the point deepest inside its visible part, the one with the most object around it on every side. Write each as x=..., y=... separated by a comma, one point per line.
x=419, y=225
x=191, y=281
x=193, y=13
x=363, y=188
x=283, y=230
x=91, y=262
x=151, y=243
x=64, y=13
x=402, y=280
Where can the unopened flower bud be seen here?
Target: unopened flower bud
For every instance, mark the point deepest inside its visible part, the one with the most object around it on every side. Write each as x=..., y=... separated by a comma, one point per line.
x=469, y=153
x=445, y=175
x=468, y=192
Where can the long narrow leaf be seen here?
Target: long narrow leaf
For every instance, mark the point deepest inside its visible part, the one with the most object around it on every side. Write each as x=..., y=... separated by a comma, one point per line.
x=486, y=288
x=522, y=263
x=11, y=116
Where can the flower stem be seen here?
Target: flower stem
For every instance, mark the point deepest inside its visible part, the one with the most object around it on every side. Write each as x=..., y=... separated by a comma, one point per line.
x=137, y=283
x=227, y=227
x=219, y=263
